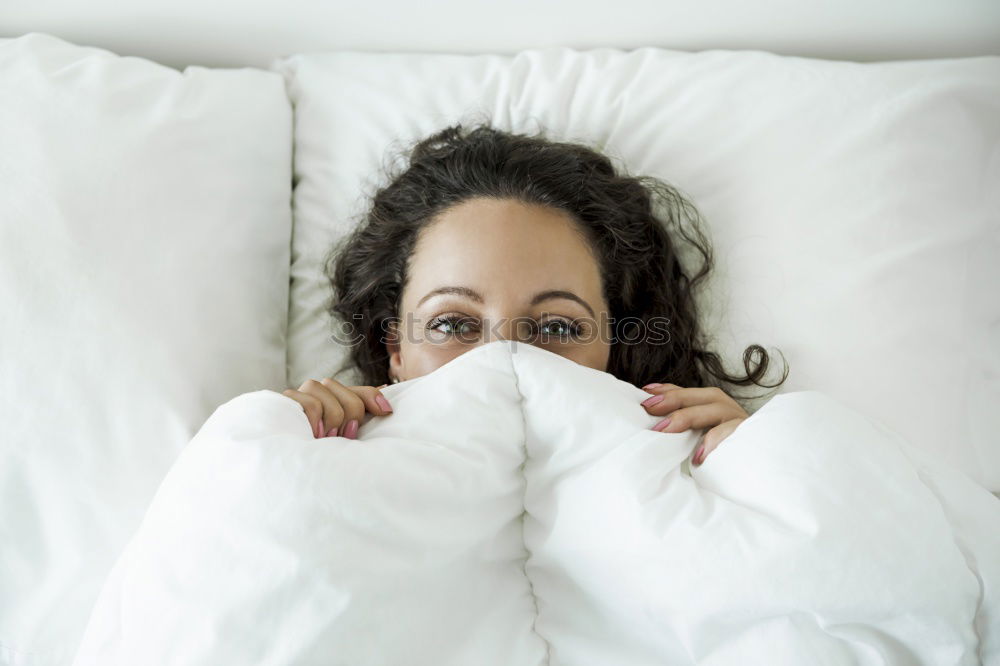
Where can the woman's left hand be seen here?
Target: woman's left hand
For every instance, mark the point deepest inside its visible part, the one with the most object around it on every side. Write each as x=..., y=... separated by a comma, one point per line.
x=686, y=408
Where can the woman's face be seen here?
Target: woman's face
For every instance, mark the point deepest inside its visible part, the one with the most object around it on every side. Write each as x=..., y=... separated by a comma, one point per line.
x=490, y=269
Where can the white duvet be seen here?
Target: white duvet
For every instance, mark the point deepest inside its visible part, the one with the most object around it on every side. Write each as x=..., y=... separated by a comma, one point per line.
x=516, y=509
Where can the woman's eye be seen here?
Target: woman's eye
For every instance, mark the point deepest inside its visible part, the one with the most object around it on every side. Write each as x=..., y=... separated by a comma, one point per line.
x=560, y=328
x=461, y=326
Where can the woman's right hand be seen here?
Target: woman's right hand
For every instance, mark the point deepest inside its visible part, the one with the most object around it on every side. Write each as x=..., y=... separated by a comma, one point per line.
x=333, y=408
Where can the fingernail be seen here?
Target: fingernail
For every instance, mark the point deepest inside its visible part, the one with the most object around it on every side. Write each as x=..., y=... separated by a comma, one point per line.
x=649, y=387
x=383, y=403
x=652, y=400
x=333, y=432
x=662, y=424
x=317, y=429
x=351, y=429
x=699, y=454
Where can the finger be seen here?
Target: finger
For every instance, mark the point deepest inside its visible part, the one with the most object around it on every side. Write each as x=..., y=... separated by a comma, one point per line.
x=696, y=416
x=714, y=437
x=659, y=388
x=311, y=405
x=334, y=414
x=375, y=402
x=353, y=406
x=671, y=400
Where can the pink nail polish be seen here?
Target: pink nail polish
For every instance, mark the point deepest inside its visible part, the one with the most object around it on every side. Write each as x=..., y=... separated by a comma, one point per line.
x=333, y=432
x=351, y=429
x=652, y=400
x=383, y=403
x=649, y=387
x=662, y=424
x=699, y=455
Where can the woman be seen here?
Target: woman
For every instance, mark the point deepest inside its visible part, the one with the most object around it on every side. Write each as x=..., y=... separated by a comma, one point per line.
x=487, y=234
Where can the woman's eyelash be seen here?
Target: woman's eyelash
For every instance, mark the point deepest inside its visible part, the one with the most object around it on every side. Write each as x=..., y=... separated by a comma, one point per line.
x=452, y=320
x=574, y=330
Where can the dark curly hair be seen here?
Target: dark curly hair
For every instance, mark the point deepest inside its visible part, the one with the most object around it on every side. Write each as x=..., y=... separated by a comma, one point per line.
x=641, y=272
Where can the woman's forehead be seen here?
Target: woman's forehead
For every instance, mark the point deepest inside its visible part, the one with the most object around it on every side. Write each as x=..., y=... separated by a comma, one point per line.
x=497, y=247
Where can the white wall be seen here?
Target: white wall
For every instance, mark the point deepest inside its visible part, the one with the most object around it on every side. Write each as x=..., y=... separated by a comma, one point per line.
x=231, y=33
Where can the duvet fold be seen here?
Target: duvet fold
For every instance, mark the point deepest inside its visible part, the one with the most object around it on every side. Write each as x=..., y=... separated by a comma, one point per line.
x=516, y=508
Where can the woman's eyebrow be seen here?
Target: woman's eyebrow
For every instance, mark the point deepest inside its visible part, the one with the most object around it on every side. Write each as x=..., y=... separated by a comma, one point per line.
x=559, y=293
x=477, y=297
x=458, y=291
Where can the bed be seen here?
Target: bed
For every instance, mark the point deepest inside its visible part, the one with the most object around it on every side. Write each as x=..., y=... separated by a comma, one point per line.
x=162, y=232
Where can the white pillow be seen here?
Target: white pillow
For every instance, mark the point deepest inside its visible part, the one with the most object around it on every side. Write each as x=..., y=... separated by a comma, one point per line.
x=516, y=508
x=853, y=207
x=144, y=258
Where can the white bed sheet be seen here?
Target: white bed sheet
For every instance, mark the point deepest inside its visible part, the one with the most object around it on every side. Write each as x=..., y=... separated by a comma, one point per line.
x=517, y=509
